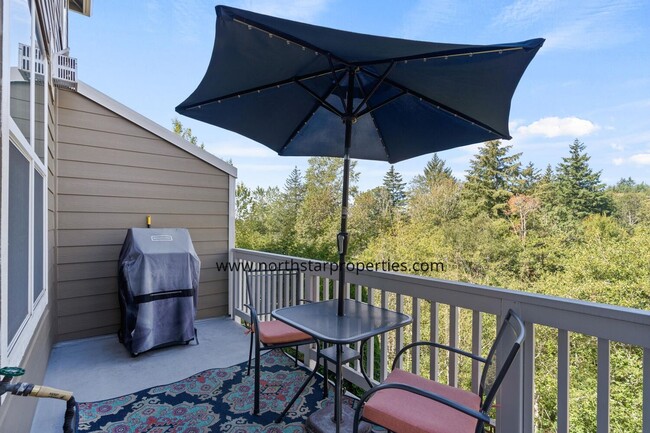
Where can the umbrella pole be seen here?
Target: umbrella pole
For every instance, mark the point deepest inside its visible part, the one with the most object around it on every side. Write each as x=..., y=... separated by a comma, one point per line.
x=342, y=238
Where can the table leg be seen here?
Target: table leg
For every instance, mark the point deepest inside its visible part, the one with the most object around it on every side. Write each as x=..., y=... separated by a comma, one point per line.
x=339, y=386
x=302, y=387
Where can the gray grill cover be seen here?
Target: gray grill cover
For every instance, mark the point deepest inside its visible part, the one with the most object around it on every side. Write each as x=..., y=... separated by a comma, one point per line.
x=158, y=288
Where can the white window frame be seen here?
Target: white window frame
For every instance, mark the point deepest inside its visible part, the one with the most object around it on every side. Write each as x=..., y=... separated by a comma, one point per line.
x=12, y=352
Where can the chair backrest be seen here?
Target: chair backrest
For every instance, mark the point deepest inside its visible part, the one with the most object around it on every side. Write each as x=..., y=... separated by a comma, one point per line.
x=509, y=339
x=268, y=290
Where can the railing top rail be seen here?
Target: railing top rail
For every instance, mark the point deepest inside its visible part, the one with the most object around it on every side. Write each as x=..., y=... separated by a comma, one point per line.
x=613, y=322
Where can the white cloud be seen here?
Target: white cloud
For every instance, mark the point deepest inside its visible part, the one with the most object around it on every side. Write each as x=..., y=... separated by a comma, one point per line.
x=617, y=146
x=637, y=159
x=558, y=126
x=640, y=159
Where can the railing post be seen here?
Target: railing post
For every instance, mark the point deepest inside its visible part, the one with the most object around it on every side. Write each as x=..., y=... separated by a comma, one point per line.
x=646, y=390
x=563, y=349
x=602, y=393
x=477, y=334
x=434, y=369
x=453, y=342
x=511, y=395
x=529, y=379
x=416, y=336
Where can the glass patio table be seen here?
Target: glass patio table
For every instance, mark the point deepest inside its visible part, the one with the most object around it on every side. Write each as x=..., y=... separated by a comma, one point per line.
x=320, y=320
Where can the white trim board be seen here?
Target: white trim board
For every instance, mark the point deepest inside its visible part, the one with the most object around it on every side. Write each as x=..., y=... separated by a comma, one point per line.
x=151, y=126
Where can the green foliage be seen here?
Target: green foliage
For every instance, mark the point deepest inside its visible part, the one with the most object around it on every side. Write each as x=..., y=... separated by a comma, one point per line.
x=395, y=187
x=560, y=232
x=435, y=171
x=578, y=187
x=319, y=215
x=370, y=216
x=631, y=203
x=493, y=177
x=186, y=133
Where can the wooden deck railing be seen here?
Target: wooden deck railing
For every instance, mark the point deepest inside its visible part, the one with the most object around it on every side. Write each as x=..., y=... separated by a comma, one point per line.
x=432, y=301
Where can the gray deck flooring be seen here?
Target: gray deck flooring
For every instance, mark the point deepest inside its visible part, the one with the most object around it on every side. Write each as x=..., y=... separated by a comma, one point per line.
x=100, y=368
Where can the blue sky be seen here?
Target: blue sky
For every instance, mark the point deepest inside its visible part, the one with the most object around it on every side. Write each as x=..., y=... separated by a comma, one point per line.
x=589, y=81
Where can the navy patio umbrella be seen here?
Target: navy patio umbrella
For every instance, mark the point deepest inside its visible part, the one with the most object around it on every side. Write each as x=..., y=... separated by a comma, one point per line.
x=305, y=90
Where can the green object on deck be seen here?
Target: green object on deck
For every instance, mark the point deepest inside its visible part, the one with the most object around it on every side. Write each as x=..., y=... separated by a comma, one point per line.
x=12, y=371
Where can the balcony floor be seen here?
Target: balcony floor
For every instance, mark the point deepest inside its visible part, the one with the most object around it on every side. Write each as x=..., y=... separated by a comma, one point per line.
x=101, y=368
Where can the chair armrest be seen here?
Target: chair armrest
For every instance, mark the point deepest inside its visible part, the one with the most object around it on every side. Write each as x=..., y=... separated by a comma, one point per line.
x=363, y=369
x=440, y=399
x=439, y=346
x=253, y=314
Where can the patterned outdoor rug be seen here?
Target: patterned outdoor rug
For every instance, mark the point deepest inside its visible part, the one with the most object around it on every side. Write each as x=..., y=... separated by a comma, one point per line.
x=216, y=400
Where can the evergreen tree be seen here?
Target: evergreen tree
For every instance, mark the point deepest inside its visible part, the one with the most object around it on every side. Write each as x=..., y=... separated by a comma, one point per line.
x=578, y=187
x=395, y=187
x=286, y=214
x=492, y=179
x=434, y=172
x=548, y=175
x=530, y=179
x=435, y=195
x=294, y=188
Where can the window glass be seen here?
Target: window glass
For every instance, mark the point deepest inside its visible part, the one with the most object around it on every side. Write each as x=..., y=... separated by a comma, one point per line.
x=20, y=42
x=40, y=123
x=18, y=241
x=39, y=281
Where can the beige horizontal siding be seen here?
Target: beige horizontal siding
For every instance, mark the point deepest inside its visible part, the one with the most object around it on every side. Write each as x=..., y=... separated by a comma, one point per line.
x=112, y=174
x=107, y=139
x=143, y=206
x=133, y=158
x=110, y=171
x=118, y=188
x=92, y=220
x=101, y=318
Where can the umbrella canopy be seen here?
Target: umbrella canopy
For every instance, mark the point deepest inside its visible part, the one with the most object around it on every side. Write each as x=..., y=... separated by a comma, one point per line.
x=305, y=90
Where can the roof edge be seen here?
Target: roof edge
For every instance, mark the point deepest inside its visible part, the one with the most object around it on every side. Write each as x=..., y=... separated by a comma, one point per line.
x=153, y=127
x=80, y=6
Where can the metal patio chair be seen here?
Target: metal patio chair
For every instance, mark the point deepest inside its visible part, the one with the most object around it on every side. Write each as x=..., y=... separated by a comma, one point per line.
x=268, y=290
x=408, y=403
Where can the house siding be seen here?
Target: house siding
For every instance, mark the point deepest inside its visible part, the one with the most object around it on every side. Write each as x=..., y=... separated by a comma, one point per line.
x=111, y=174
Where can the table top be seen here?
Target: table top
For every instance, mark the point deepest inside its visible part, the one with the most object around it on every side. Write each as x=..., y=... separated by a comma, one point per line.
x=361, y=321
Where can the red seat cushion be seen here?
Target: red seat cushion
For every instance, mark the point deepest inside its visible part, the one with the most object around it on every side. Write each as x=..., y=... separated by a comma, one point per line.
x=405, y=412
x=277, y=332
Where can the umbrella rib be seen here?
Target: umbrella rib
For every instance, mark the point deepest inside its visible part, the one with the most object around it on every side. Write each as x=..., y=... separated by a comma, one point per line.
x=381, y=138
x=386, y=102
x=320, y=100
x=261, y=27
x=258, y=89
x=441, y=106
x=442, y=55
x=311, y=112
x=374, y=89
x=338, y=79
